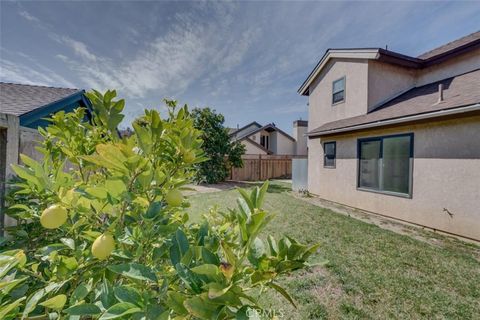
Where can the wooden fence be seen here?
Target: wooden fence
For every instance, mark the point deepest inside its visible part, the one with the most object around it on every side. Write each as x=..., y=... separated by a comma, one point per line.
x=263, y=167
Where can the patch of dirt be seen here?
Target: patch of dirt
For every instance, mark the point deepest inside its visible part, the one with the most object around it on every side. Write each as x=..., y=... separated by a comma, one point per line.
x=329, y=293
x=222, y=186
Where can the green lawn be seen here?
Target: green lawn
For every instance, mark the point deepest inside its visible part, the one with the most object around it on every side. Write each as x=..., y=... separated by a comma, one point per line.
x=372, y=272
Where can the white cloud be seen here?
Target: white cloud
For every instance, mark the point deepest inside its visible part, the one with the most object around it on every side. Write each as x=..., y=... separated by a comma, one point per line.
x=21, y=73
x=188, y=52
x=28, y=16
x=78, y=47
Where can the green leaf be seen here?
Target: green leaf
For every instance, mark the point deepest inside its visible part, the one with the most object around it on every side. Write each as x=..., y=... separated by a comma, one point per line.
x=175, y=302
x=83, y=310
x=283, y=292
x=246, y=197
x=32, y=302
x=289, y=265
x=209, y=257
x=128, y=294
x=154, y=209
x=79, y=293
x=56, y=302
x=256, y=252
x=272, y=244
x=68, y=242
x=119, y=310
x=7, y=286
x=247, y=313
x=261, y=276
x=309, y=251
x=261, y=194
x=179, y=247
x=26, y=174
x=209, y=270
x=199, y=308
x=115, y=187
x=5, y=310
x=134, y=271
x=231, y=258
x=216, y=290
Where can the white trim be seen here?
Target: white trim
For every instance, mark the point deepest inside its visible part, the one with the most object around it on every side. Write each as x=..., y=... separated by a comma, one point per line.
x=338, y=54
x=474, y=107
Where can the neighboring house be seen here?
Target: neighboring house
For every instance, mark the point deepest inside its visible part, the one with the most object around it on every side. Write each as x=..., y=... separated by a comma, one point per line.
x=269, y=139
x=23, y=108
x=399, y=135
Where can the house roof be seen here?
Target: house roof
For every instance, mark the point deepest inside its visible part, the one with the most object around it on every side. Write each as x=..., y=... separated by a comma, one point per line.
x=427, y=59
x=268, y=127
x=458, y=92
x=253, y=123
x=454, y=45
x=31, y=103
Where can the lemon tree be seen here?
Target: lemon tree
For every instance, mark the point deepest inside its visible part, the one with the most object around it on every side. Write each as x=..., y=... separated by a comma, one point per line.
x=103, y=232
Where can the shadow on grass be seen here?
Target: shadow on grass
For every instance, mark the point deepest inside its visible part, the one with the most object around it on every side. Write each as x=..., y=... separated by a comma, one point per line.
x=278, y=188
x=274, y=187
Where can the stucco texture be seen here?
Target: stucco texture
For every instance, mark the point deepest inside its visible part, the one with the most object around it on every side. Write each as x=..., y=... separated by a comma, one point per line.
x=446, y=176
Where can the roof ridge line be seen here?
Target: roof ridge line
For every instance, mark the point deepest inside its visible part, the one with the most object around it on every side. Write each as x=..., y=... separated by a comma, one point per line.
x=38, y=86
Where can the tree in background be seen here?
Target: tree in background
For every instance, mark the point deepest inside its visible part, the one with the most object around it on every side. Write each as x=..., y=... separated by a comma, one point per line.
x=217, y=146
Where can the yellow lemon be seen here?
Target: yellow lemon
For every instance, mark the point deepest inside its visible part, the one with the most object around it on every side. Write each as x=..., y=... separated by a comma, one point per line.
x=174, y=198
x=53, y=217
x=103, y=246
x=189, y=156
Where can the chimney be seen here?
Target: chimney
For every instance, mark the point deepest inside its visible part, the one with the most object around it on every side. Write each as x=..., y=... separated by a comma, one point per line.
x=440, y=92
x=299, y=134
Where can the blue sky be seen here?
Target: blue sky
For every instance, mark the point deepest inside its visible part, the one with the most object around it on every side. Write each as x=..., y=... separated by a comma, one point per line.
x=246, y=60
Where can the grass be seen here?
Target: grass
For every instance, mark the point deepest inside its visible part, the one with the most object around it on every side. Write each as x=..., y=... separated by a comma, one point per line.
x=372, y=273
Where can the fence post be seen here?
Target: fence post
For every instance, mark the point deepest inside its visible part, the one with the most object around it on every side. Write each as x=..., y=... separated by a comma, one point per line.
x=259, y=167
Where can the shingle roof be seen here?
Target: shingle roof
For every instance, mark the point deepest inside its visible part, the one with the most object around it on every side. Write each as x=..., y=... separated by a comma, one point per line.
x=268, y=127
x=451, y=46
x=458, y=91
x=253, y=123
x=19, y=99
x=447, y=51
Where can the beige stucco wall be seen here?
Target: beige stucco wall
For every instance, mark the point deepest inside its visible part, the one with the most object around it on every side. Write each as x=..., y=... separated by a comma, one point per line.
x=387, y=80
x=250, y=148
x=452, y=67
x=299, y=134
x=281, y=145
x=320, y=100
x=446, y=174
x=29, y=140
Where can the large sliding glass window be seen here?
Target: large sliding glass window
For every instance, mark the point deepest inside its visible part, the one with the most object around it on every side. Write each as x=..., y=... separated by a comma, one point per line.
x=385, y=164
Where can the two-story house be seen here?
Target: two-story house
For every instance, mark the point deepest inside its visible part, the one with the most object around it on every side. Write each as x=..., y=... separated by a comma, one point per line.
x=270, y=139
x=398, y=135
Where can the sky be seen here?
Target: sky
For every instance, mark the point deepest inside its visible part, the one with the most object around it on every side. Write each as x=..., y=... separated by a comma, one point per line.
x=244, y=59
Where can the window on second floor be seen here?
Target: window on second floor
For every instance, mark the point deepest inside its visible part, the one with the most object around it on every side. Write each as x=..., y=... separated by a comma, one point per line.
x=264, y=142
x=338, y=91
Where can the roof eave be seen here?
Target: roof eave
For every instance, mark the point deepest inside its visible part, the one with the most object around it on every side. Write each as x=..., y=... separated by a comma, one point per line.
x=400, y=120
x=55, y=106
x=370, y=53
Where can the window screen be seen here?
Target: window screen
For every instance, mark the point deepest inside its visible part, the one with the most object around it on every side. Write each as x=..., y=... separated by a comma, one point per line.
x=338, y=93
x=329, y=151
